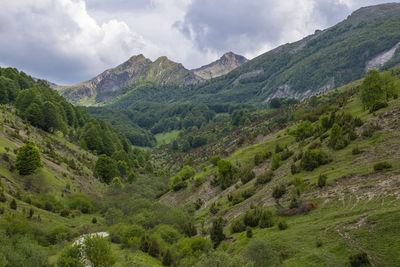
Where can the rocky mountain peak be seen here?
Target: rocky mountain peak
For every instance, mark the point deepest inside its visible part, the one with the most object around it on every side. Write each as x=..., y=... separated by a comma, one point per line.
x=226, y=63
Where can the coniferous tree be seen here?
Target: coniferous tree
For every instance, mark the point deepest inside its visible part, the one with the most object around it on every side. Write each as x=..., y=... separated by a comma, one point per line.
x=217, y=232
x=13, y=204
x=28, y=159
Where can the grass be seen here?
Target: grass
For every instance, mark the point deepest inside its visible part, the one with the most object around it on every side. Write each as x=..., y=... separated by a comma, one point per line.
x=166, y=138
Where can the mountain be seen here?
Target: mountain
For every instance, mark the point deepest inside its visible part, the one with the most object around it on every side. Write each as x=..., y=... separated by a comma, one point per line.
x=368, y=38
x=228, y=62
x=110, y=83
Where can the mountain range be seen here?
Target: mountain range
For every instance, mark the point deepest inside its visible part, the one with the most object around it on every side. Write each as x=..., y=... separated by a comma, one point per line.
x=368, y=38
x=162, y=71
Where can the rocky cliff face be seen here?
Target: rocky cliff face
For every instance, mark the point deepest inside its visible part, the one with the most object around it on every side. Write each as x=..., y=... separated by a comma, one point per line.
x=225, y=64
x=138, y=68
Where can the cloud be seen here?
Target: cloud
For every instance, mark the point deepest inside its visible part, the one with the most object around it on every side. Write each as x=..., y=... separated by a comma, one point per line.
x=53, y=37
x=69, y=41
x=252, y=27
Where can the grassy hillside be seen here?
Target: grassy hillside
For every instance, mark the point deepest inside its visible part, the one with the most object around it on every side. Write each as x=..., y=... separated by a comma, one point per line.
x=356, y=210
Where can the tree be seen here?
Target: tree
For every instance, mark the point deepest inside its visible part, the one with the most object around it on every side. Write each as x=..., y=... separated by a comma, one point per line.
x=51, y=117
x=372, y=91
x=106, y=168
x=336, y=139
x=98, y=251
x=217, y=231
x=28, y=159
x=275, y=102
x=71, y=257
x=34, y=115
x=167, y=258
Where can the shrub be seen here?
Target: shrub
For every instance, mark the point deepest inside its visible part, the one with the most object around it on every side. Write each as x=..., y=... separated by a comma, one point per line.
x=249, y=232
x=2, y=197
x=213, y=208
x=98, y=251
x=154, y=247
x=258, y=159
x=219, y=258
x=81, y=202
x=264, y=178
x=217, y=231
x=278, y=191
x=113, y=216
x=226, y=173
x=94, y=220
x=260, y=252
x=370, y=128
x=278, y=149
x=189, y=229
x=285, y=154
x=275, y=162
x=282, y=225
x=252, y=217
x=71, y=256
x=65, y=212
x=215, y=160
x=246, y=175
x=294, y=169
x=168, y=233
x=313, y=159
x=303, y=130
x=167, y=258
x=383, y=165
x=13, y=204
x=359, y=259
x=336, y=138
x=355, y=150
x=238, y=226
x=266, y=219
x=322, y=180
x=58, y=234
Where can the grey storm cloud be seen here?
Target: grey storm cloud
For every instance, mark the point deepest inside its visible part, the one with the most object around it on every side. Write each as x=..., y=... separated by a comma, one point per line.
x=244, y=26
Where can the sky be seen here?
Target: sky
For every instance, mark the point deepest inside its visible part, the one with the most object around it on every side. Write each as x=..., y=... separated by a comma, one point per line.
x=70, y=41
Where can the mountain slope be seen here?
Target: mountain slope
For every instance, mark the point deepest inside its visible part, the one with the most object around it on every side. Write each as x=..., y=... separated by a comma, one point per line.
x=138, y=68
x=228, y=62
x=324, y=60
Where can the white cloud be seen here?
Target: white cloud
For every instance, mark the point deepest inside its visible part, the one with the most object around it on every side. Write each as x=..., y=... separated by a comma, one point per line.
x=49, y=36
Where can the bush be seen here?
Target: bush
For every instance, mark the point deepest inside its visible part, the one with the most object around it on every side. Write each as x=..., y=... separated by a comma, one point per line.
x=113, y=216
x=383, y=165
x=359, y=259
x=249, y=232
x=275, y=162
x=13, y=204
x=168, y=233
x=238, y=226
x=266, y=219
x=355, y=150
x=282, y=225
x=215, y=160
x=167, y=258
x=285, y=154
x=278, y=149
x=313, y=159
x=65, y=212
x=264, y=178
x=278, y=191
x=258, y=159
x=252, y=217
x=58, y=234
x=370, y=128
x=322, y=180
x=217, y=231
x=219, y=258
x=246, y=175
x=81, y=202
x=71, y=256
x=261, y=253
x=294, y=169
x=94, y=220
x=98, y=251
